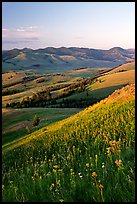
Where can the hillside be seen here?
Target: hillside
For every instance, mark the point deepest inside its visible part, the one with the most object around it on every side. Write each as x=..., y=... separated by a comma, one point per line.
x=62, y=59
x=17, y=123
x=94, y=161
x=79, y=88
x=102, y=85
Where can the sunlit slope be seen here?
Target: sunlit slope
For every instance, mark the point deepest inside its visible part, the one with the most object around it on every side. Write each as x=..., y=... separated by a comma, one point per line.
x=124, y=67
x=119, y=97
x=87, y=157
x=115, y=79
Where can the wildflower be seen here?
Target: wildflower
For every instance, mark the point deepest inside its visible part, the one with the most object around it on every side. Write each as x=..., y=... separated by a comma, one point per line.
x=116, y=162
x=87, y=165
x=80, y=175
x=11, y=182
x=68, y=158
x=101, y=186
x=103, y=165
x=56, y=167
x=61, y=200
x=52, y=186
x=73, y=148
x=119, y=163
x=108, y=150
x=32, y=178
x=94, y=174
x=57, y=182
x=115, y=146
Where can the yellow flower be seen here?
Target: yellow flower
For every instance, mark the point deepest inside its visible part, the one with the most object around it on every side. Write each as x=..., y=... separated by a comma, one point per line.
x=73, y=148
x=87, y=165
x=101, y=186
x=57, y=182
x=52, y=186
x=94, y=174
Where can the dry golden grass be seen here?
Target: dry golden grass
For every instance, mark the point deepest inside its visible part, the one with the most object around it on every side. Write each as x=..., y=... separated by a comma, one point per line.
x=115, y=79
x=88, y=70
x=15, y=97
x=127, y=66
x=122, y=94
x=12, y=77
x=4, y=110
x=68, y=57
x=21, y=56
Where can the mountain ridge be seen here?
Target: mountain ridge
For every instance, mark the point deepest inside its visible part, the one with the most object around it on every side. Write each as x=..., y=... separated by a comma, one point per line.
x=63, y=58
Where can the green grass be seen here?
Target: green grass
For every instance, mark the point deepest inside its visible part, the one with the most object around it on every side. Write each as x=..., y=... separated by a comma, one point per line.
x=86, y=72
x=12, y=121
x=87, y=157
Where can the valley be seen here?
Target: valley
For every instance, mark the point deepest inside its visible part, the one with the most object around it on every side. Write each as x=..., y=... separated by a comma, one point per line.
x=45, y=95
x=86, y=121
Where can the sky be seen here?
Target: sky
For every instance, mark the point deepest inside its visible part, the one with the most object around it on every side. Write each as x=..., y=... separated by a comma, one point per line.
x=98, y=25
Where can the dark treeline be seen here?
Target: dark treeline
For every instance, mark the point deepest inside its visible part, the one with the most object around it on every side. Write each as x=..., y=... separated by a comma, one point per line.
x=46, y=97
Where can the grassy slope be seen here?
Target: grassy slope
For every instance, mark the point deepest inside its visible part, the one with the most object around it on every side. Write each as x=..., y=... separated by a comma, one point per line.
x=86, y=72
x=16, y=123
x=110, y=82
x=127, y=66
x=57, y=162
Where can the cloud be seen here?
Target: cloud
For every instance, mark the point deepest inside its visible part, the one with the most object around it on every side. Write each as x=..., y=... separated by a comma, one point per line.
x=21, y=33
x=4, y=29
x=20, y=30
x=25, y=40
x=30, y=36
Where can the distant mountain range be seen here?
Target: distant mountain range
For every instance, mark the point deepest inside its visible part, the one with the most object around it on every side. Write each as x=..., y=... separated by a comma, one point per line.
x=52, y=59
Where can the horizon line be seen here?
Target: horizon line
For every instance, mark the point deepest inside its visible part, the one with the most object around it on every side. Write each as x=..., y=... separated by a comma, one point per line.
x=65, y=47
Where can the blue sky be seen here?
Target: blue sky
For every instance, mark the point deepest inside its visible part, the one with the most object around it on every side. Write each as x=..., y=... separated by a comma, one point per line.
x=100, y=25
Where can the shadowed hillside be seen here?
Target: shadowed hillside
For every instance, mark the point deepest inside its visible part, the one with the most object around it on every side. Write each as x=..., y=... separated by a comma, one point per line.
x=62, y=59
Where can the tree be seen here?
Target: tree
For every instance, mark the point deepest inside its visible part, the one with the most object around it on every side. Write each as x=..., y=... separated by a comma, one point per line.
x=36, y=120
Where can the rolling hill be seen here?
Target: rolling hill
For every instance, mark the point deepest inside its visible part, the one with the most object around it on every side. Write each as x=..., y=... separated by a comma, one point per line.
x=63, y=59
x=19, y=85
x=87, y=157
x=102, y=85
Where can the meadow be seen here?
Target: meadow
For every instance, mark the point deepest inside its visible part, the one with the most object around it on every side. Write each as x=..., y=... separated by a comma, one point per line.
x=17, y=123
x=87, y=157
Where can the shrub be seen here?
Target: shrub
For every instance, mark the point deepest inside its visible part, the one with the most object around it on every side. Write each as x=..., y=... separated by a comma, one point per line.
x=36, y=120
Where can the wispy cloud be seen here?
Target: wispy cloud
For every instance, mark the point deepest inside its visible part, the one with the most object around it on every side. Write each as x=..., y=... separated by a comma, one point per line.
x=30, y=36
x=20, y=41
x=21, y=33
